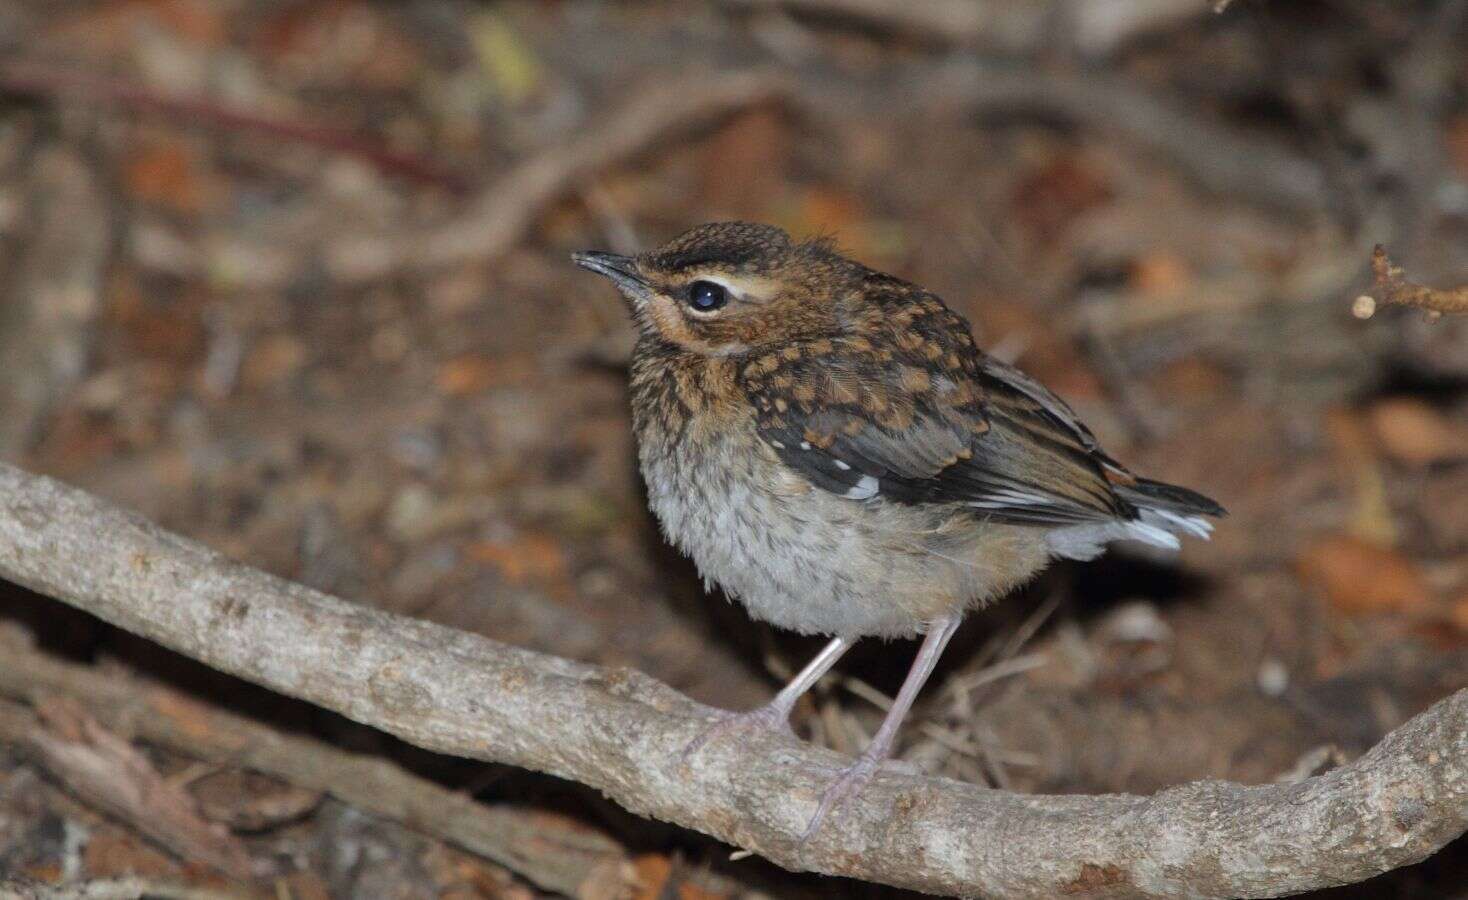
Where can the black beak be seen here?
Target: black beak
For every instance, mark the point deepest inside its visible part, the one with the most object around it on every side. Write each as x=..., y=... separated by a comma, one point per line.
x=622, y=270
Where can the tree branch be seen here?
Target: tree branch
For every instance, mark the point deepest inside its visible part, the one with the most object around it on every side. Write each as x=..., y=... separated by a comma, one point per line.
x=1390, y=286
x=623, y=732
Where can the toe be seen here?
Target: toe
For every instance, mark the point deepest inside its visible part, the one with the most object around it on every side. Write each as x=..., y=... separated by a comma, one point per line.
x=763, y=719
x=846, y=785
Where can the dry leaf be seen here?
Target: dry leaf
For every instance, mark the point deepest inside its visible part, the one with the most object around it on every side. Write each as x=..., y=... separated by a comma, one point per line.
x=746, y=163
x=1357, y=576
x=1048, y=200
x=1414, y=434
x=1458, y=613
x=653, y=872
x=113, y=852
x=272, y=360
x=1458, y=145
x=473, y=373
x=1161, y=274
x=529, y=557
x=168, y=175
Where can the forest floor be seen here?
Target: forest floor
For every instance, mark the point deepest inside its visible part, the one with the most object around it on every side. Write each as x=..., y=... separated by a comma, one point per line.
x=292, y=279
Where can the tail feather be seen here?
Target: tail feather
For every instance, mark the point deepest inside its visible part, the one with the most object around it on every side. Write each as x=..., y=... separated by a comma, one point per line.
x=1158, y=495
x=1163, y=511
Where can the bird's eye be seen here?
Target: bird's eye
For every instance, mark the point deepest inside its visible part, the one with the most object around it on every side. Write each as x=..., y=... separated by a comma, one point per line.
x=705, y=296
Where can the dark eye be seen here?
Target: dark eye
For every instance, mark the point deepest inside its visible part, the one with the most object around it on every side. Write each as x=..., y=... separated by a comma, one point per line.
x=705, y=296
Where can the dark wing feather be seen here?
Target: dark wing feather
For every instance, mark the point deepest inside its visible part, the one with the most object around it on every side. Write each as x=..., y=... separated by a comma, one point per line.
x=915, y=413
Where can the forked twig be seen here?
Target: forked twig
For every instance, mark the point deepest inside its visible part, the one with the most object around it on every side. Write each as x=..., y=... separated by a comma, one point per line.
x=1391, y=287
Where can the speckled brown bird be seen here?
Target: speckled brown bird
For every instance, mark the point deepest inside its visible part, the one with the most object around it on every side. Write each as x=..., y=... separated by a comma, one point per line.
x=833, y=449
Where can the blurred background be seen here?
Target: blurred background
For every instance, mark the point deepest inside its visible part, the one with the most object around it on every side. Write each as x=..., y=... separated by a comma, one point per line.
x=291, y=278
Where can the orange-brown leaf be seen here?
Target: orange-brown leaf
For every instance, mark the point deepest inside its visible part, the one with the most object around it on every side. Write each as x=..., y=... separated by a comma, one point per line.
x=1359, y=577
x=527, y=558
x=1414, y=434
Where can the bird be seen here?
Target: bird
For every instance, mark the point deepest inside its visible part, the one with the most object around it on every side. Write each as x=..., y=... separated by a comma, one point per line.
x=834, y=450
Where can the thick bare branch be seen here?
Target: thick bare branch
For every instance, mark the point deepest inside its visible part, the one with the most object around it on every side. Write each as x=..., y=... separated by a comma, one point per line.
x=1390, y=286
x=623, y=732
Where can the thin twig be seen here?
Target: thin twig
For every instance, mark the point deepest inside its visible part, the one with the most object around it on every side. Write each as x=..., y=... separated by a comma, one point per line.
x=938, y=21
x=624, y=733
x=557, y=857
x=501, y=215
x=30, y=78
x=1390, y=286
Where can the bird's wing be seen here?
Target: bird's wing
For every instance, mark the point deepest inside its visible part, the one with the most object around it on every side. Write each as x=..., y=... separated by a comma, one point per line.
x=917, y=414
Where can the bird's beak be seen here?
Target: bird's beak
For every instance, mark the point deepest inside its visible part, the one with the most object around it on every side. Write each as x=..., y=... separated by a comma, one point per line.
x=622, y=270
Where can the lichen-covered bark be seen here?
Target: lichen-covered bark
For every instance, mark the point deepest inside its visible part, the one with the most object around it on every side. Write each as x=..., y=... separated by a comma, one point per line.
x=622, y=732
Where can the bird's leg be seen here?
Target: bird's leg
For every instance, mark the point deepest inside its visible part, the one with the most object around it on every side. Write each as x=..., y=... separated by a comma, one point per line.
x=851, y=779
x=776, y=713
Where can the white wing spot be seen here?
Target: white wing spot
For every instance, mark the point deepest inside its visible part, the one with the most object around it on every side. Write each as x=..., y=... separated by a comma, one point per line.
x=842, y=466
x=805, y=445
x=865, y=489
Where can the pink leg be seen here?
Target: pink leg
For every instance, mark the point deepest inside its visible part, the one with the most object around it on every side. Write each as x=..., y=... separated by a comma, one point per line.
x=776, y=713
x=854, y=776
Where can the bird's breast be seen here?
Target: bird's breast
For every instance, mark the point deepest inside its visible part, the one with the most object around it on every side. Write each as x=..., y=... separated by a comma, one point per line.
x=809, y=560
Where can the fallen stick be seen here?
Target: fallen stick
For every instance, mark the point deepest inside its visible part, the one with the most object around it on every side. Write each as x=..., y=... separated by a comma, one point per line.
x=107, y=772
x=503, y=212
x=572, y=861
x=623, y=733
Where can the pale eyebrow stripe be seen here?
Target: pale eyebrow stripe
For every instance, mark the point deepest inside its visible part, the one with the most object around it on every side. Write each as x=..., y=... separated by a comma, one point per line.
x=742, y=293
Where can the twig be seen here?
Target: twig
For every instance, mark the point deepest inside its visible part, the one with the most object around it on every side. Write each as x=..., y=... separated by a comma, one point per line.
x=107, y=772
x=577, y=862
x=623, y=733
x=1390, y=286
x=938, y=21
x=1219, y=157
x=501, y=215
x=35, y=79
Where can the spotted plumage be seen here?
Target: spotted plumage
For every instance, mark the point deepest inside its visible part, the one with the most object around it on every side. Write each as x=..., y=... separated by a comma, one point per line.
x=832, y=448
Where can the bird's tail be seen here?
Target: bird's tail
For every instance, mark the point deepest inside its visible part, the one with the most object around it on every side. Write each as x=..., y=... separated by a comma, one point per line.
x=1148, y=494
x=1174, y=509
x=1163, y=512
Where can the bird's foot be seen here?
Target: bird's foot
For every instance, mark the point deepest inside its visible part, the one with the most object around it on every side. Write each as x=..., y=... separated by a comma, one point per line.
x=765, y=718
x=847, y=784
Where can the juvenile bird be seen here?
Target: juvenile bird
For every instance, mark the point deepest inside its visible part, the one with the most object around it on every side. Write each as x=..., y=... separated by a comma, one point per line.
x=832, y=448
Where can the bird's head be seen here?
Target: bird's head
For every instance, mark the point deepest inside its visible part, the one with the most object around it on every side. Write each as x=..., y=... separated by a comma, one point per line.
x=729, y=287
